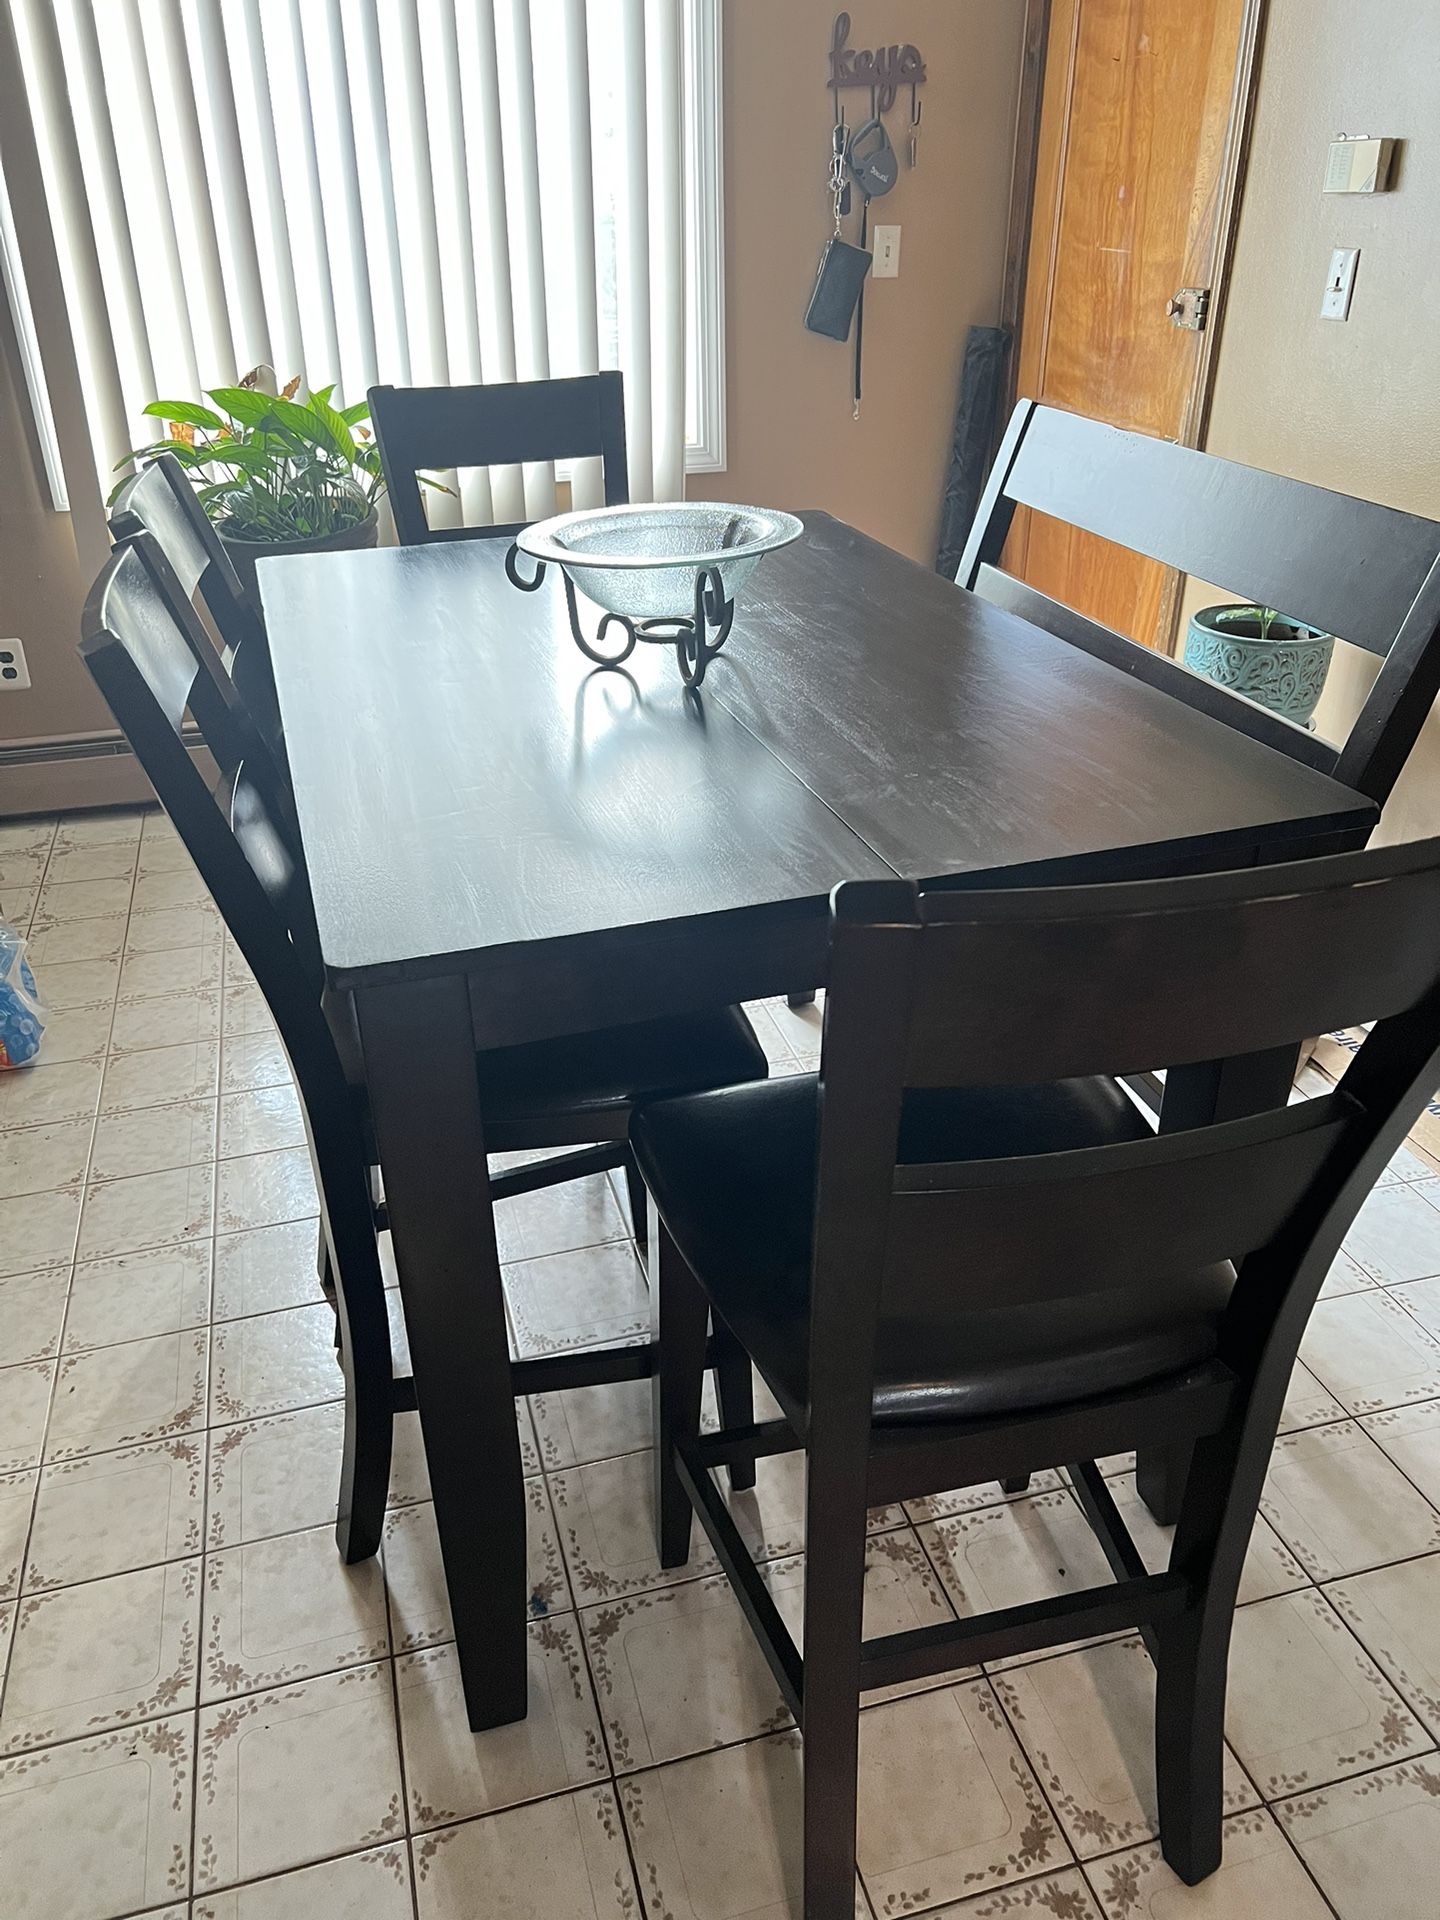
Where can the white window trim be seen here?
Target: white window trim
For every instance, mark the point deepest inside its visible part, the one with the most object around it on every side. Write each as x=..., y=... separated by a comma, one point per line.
x=21, y=314
x=705, y=191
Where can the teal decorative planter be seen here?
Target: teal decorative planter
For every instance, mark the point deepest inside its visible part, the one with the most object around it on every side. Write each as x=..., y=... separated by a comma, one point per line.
x=1284, y=668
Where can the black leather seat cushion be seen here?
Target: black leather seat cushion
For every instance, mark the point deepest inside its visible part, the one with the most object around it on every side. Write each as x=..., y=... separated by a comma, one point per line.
x=733, y=1175
x=588, y=1076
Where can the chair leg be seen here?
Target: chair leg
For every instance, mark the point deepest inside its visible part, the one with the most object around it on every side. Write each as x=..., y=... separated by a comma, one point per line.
x=1017, y=1483
x=806, y=999
x=680, y=1318
x=1160, y=1479
x=735, y=1390
x=830, y=1720
x=639, y=1202
x=363, y=1337
x=1189, y=1739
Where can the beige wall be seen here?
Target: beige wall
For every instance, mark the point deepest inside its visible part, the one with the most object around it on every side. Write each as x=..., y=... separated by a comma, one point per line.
x=40, y=586
x=1355, y=406
x=792, y=441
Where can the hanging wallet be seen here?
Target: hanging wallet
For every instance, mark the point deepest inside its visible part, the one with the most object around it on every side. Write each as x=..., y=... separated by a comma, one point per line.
x=837, y=289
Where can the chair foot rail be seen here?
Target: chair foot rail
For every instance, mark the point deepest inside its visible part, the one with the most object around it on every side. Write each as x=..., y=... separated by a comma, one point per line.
x=597, y=1367
x=924, y=1651
x=559, y=1167
x=760, y=1610
x=1109, y=1528
x=746, y=1443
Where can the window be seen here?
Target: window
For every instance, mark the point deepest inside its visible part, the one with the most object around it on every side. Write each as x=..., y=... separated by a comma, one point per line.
x=421, y=191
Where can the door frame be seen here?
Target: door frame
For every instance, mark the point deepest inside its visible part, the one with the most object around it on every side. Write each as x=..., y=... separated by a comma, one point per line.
x=1024, y=191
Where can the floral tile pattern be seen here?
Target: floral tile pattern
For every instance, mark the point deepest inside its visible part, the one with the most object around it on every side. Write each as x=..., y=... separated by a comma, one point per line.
x=559, y=1857
x=109, y=1513
x=1260, y=1878
x=259, y=1758
x=1052, y=1896
x=106, y=1653
x=415, y=1580
x=101, y=1826
x=948, y=1803
x=1395, y=1614
x=285, y=1608
x=1340, y=1505
x=205, y=1716
x=453, y=1774
x=1307, y=1705
x=1370, y=1843
x=1087, y=1724
x=374, y=1885
x=677, y=1671
x=688, y=1863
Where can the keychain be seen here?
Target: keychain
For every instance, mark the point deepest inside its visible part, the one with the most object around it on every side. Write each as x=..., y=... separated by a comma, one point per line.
x=834, y=299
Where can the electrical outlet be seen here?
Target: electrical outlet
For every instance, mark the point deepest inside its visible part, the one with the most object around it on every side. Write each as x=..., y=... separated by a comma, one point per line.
x=14, y=674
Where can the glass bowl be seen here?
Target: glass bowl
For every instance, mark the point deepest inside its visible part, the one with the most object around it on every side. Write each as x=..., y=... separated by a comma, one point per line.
x=642, y=561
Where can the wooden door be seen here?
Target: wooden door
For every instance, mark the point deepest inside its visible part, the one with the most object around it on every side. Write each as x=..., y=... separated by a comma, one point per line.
x=1139, y=122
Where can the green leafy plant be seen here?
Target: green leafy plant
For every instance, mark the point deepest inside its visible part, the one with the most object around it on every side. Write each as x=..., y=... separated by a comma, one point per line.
x=269, y=467
x=1261, y=617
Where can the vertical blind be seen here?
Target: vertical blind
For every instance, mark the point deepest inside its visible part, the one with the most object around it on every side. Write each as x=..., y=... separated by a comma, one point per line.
x=411, y=191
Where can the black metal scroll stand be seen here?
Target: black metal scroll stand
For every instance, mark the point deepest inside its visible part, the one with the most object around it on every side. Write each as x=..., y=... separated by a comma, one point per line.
x=691, y=639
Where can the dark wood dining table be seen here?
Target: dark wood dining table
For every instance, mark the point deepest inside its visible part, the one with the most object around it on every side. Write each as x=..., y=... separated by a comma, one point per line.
x=507, y=843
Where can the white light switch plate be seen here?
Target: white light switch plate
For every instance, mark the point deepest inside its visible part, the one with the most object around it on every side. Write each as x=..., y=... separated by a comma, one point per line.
x=14, y=674
x=1340, y=284
x=887, y=253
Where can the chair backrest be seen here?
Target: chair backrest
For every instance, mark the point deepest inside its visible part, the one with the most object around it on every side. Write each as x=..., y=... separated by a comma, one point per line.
x=143, y=646
x=958, y=988
x=1368, y=573
x=437, y=429
x=159, y=500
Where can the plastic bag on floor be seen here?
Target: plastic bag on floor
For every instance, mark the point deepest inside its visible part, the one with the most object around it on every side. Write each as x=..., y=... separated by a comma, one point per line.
x=22, y=1016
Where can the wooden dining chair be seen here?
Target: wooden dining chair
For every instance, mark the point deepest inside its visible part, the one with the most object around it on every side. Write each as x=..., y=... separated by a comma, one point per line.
x=1367, y=573
x=940, y=1290
x=140, y=648
x=429, y=429
x=159, y=500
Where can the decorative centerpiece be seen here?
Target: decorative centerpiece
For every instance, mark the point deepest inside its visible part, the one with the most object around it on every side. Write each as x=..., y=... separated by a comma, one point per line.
x=1277, y=662
x=666, y=574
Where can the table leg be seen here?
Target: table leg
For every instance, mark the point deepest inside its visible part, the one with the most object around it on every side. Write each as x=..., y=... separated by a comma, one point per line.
x=1214, y=1090
x=420, y=1069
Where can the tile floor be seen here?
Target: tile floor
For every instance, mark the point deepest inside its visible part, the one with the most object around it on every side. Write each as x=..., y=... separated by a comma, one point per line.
x=206, y=1717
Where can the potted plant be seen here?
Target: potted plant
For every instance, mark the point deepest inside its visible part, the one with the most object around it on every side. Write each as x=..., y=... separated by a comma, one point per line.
x=1279, y=662
x=275, y=474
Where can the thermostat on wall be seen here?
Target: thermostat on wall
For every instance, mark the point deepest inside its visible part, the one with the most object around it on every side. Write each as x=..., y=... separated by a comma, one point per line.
x=1358, y=164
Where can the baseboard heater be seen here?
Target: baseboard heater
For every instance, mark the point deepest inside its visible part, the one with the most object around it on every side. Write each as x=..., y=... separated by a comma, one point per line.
x=89, y=770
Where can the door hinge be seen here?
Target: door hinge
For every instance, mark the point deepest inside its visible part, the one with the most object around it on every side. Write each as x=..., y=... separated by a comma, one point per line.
x=1190, y=308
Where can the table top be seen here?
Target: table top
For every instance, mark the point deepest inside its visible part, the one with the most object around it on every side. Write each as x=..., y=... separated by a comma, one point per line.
x=466, y=780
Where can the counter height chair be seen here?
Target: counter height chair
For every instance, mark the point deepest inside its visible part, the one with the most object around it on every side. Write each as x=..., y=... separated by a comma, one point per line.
x=944, y=1281
x=429, y=429
x=1369, y=574
x=159, y=500
x=140, y=644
